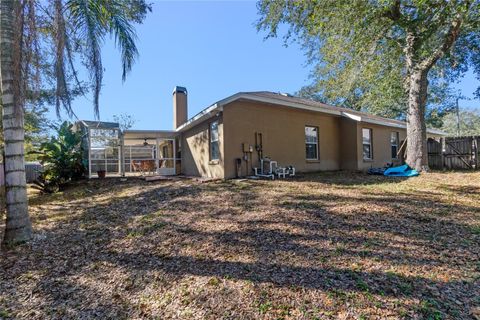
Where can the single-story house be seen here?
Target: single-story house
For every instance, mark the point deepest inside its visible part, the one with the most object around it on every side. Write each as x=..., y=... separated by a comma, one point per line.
x=228, y=138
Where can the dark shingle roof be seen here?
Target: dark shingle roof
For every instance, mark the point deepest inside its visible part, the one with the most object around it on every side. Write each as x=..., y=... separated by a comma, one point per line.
x=321, y=106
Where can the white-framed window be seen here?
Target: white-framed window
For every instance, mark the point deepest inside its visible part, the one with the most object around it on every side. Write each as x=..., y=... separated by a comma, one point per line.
x=214, y=141
x=367, y=143
x=394, y=144
x=311, y=143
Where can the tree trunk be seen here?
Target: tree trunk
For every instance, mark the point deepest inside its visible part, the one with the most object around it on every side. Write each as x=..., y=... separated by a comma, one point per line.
x=18, y=226
x=417, y=156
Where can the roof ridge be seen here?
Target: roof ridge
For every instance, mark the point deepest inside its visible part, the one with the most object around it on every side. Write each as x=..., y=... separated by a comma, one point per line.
x=278, y=98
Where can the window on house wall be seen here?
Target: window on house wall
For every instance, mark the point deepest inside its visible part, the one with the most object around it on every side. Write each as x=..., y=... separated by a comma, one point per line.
x=394, y=144
x=311, y=143
x=214, y=143
x=367, y=143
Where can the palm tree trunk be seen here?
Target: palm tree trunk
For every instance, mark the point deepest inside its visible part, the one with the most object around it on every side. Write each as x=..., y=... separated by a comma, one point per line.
x=18, y=226
x=417, y=156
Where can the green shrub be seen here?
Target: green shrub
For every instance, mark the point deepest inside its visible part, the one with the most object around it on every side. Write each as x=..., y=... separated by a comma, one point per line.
x=61, y=158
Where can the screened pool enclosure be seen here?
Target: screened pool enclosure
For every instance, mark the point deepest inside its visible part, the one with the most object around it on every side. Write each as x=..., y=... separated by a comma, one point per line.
x=131, y=152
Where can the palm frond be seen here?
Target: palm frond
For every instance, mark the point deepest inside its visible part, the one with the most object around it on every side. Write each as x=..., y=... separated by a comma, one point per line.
x=62, y=94
x=89, y=23
x=32, y=50
x=93, y=20
x=69, y=52
x=124, y=34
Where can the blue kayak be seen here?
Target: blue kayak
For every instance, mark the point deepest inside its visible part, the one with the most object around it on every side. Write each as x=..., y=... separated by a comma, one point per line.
x=401, y=171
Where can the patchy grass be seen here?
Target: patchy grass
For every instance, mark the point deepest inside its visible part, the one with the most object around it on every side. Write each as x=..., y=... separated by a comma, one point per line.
x=323, y=246
x=476, y=230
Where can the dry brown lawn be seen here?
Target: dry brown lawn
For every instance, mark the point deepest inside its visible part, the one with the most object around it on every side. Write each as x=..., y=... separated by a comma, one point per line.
x=322, y=246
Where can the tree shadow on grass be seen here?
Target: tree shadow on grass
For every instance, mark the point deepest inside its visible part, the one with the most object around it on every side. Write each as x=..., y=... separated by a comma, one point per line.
x=318, y=223
x=164, y=221
x=288, y=276
x=345, y=178
x=400, y=207
x=471, y=190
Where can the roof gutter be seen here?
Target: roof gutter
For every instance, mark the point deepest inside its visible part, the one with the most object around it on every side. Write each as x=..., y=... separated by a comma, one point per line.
x=201, y=116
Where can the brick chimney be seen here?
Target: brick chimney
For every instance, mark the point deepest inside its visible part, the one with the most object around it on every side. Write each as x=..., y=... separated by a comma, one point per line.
x=180, y=111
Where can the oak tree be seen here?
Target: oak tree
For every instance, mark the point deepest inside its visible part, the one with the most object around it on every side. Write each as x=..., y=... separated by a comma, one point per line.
x=386, y=51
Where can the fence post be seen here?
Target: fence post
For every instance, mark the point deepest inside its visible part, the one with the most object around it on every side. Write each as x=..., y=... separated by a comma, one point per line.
x=475, y=151
x=442, y=153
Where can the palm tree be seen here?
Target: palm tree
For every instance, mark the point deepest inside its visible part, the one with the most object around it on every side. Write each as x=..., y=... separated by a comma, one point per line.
x=18, y=225
x=74, y=27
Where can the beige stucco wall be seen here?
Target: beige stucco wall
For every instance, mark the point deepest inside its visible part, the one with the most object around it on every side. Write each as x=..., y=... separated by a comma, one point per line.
x=283, y=132
x=348, y=147
x=380, y=145
x=195, y=151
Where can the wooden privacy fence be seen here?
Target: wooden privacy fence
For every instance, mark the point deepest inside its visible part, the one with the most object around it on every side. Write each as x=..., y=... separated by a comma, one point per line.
x=32, y=172
x=454, y=153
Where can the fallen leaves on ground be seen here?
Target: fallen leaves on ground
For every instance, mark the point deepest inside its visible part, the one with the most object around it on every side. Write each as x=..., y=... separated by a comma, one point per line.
x=322, y=246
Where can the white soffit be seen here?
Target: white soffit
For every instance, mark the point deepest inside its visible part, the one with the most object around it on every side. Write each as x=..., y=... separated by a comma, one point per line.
x=351, y=116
